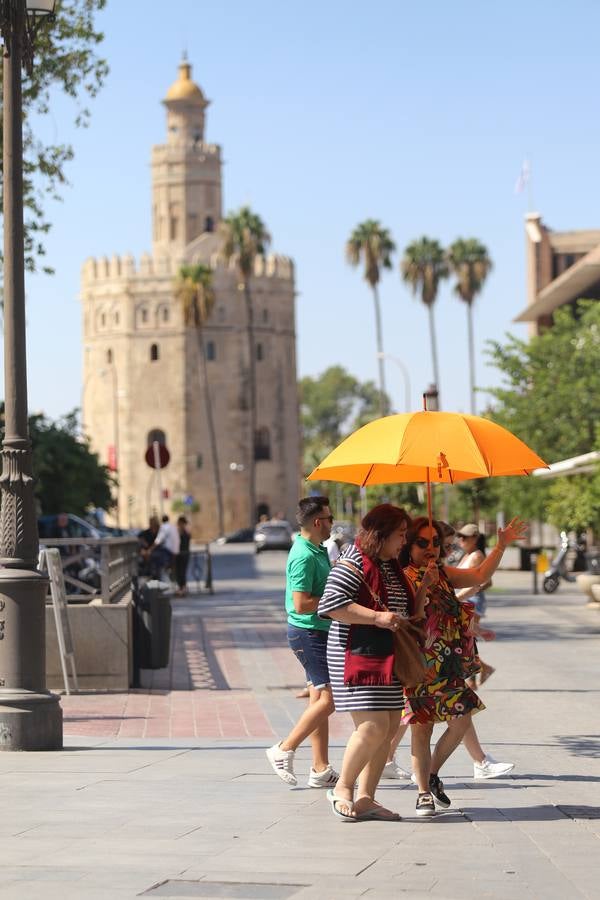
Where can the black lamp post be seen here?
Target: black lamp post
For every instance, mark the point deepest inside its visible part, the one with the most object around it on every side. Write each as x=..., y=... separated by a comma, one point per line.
x=30, y=717
x=431, y=398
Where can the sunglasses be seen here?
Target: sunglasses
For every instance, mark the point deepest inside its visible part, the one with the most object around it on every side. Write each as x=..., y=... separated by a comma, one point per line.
x=424, y=543
x=325, y=519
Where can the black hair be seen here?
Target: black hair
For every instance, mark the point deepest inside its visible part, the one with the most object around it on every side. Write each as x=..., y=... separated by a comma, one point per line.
x=413, y=533
x=309, y=508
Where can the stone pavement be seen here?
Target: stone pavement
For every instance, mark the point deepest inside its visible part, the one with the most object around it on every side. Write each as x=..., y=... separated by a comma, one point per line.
x=166, y=792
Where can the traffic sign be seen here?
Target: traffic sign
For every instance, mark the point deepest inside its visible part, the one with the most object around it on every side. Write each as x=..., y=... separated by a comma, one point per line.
x=157, y=456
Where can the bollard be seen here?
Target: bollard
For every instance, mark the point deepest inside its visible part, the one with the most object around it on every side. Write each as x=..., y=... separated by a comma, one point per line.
x=534, y=571
x=208, y=584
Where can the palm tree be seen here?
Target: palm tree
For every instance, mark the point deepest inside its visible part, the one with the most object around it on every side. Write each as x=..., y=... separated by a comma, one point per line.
x=469, y=260
x=245, y=237
x=423, y=267
x=372, y=243
x=194, y=290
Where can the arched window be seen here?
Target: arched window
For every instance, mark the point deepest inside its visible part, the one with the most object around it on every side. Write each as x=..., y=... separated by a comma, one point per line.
x=165, y=314
x=153, y=352
x=209, y=224
x=259, y=352
x=262, y=444
x=116, y=318
x=211, y=351
x=156, y=435
x=199, y=460
x=109, y=356
x=103, y=320
x=143, y=315
x=265, y=315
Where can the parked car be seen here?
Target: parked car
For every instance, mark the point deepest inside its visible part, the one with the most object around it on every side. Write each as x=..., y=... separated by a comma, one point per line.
x=75, y=527
x=343, y=533
x=273, y=536
x=241, y=536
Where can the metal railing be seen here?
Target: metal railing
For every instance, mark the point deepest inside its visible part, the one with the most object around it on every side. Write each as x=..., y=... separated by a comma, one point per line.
x=96, y=567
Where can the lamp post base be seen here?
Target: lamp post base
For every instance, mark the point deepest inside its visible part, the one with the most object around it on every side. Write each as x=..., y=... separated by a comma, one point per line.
x=30, y=721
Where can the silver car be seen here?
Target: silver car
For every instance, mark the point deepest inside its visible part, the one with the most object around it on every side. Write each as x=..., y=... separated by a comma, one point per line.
x=273, y=536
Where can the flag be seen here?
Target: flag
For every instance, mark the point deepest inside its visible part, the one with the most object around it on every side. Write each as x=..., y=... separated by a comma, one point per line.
x=524, y=176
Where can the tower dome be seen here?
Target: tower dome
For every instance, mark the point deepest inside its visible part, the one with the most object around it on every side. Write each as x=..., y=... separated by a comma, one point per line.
x=184, y=88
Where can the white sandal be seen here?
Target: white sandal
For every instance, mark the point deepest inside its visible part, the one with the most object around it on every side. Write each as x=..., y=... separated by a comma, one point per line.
x=333, y=799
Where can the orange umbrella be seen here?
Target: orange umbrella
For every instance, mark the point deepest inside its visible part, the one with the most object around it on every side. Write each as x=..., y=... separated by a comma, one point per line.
x=427, y=446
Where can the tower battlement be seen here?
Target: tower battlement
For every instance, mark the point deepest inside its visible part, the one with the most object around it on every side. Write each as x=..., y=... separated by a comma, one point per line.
x=102, y=269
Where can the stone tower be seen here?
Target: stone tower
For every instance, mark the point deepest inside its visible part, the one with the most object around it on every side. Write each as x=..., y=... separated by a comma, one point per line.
x=142, y=378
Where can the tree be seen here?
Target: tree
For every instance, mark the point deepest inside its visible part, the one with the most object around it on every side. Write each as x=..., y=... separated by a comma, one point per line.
x=245, y=237
x=470, y=262
x=551, y=399
x=69, y=476
x=423, y=267
x=194, y=290
x=373, y=245
x=65, y=59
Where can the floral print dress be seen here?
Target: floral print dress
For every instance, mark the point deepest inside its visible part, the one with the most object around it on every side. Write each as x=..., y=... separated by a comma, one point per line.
x=450, y=652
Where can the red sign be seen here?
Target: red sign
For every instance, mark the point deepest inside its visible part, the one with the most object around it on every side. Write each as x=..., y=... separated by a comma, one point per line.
x=157, y=456
x=112, y=457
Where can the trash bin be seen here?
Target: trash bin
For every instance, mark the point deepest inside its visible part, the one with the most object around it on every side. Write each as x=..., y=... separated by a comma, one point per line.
x=151, y=626
x=592, y=558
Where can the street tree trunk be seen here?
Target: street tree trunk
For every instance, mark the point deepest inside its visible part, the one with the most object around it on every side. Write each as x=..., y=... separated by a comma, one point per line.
x=471, y=357
x=211, y=432
x=252, y=411
x=380, y=358
x=434, y=356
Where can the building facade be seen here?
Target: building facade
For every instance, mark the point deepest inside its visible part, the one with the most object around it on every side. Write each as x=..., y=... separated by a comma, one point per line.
x=142, y=379
x=562, y=267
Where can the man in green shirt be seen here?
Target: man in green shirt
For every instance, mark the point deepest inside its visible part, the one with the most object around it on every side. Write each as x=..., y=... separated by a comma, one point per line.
x=306, y=573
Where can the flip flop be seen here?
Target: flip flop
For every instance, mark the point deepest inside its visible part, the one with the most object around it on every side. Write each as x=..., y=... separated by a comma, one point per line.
x=333, y=799
x=377, y=815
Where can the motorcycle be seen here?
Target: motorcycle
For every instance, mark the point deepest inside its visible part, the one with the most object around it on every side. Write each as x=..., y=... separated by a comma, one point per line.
x=558, y=566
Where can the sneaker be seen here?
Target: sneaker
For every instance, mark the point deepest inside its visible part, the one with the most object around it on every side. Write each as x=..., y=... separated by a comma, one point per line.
x=425, y=805
x=326, y=779
x=393, y=770
x=282, y=762
x=489, y=768
x=436, y=786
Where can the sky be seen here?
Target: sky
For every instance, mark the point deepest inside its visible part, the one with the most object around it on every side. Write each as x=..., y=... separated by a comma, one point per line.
x=329, y=113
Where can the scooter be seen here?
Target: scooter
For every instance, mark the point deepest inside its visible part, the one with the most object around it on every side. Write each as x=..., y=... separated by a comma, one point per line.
x=558, y=566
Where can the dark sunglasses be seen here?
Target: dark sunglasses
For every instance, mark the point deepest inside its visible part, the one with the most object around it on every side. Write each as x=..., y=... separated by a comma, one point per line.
x=325, y=519
x=424, y=543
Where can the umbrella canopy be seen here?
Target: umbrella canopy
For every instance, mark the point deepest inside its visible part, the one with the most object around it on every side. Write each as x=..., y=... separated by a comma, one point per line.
x=427, y=446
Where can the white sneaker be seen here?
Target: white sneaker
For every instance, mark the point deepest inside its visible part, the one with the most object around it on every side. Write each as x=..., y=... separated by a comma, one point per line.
x=282, y=762
x=489, y=768
x=393, y=770
x=328, y=778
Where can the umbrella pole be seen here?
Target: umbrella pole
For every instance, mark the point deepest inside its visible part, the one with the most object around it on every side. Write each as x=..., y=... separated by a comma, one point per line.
x=429, y=504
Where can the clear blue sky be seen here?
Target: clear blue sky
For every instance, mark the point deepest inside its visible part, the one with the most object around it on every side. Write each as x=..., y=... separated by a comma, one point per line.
x=416, y=114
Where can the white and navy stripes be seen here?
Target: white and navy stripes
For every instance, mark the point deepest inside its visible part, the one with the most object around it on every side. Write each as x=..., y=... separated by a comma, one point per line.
x=342, y=587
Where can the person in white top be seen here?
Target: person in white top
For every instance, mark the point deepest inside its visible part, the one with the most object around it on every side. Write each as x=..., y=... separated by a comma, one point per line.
x=165, y=548
x=333, y=551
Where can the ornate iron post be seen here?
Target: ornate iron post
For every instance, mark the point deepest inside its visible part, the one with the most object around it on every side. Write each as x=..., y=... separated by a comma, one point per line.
x=30, y=717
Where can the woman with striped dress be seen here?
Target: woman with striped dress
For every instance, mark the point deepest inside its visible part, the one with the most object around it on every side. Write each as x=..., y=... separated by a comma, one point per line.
x=366, y=596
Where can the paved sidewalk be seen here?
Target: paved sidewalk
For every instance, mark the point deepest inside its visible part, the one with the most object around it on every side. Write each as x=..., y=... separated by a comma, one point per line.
x=166, y=792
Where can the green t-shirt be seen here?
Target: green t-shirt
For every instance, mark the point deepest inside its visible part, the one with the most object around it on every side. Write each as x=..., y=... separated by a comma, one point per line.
x=307, y=570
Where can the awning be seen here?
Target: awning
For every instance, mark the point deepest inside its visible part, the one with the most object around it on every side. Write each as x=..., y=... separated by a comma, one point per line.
x=570, y=285
x=576, y=465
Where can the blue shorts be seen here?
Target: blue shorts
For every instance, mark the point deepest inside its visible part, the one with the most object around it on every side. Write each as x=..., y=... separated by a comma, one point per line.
x=480, y=602
x=309, y=646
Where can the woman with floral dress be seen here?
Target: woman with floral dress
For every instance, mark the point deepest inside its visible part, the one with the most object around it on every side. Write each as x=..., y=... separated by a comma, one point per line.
x=450, y=653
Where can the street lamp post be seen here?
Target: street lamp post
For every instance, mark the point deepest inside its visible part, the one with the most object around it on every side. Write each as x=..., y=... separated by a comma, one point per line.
x=30, y=717
x=405, y=374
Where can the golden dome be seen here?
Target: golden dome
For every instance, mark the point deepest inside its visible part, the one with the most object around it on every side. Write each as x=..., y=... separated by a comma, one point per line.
x=184, y=88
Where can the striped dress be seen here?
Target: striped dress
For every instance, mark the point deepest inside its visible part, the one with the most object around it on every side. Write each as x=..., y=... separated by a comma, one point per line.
x=342, y=588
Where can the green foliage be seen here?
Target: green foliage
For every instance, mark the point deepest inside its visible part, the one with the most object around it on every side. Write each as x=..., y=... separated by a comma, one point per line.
x=372, y=243
x=245, y=237
x=194, y=290
x=423, y=267
x=181, y=508
x=470, y=262
x=551, y=399
x=69, y=477
x=66, y=60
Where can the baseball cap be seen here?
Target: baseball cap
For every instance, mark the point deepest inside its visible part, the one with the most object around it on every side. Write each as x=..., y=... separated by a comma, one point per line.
x=469, y=530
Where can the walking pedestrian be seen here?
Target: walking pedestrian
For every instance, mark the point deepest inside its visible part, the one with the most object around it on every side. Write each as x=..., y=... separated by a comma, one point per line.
x=366, y=596
x=183, y=557
x=450, y=652
x=306, y=573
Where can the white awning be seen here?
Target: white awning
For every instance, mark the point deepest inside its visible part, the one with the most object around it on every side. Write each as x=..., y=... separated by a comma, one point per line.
x=576, y=465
